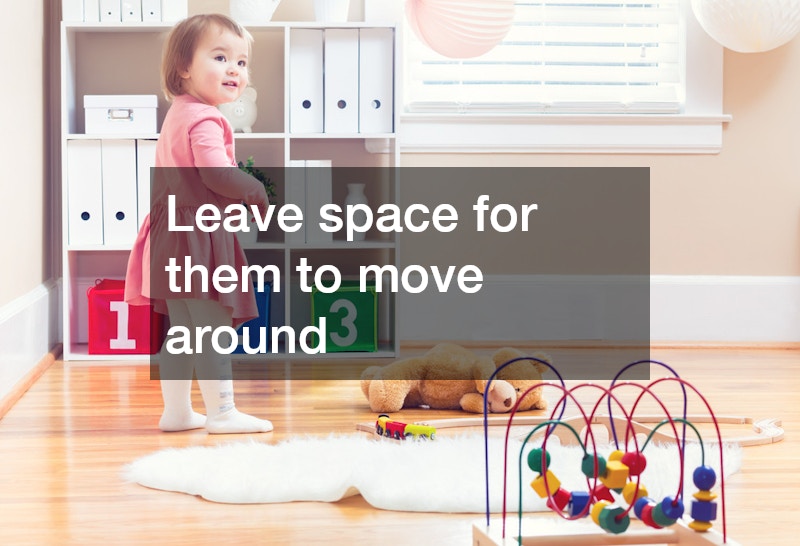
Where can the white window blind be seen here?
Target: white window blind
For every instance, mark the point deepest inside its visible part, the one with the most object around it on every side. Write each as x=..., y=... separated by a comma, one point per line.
x=579, y=56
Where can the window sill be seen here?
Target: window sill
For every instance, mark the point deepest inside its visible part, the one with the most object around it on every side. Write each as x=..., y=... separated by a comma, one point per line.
x=562, y=133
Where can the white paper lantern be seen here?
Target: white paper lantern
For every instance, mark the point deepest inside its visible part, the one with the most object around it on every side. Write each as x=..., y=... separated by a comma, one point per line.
x=252, y=12
x=749, y=26
x=460, y=29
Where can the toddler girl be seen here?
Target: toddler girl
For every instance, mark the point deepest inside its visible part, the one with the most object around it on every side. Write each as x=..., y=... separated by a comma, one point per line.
x=204, y=65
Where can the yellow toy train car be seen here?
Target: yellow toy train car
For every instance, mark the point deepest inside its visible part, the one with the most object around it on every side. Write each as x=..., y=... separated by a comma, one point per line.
x=386, y=426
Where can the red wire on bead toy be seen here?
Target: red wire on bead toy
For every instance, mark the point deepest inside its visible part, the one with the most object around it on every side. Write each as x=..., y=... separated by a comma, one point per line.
x=719, y=442
x=567, y=393
x=680, y=445
x=544, y=363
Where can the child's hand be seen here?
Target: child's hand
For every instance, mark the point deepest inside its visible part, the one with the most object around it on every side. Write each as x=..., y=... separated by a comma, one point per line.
x=262, y=205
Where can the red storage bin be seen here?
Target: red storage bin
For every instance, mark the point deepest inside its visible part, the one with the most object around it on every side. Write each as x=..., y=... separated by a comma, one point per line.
x=116, y=328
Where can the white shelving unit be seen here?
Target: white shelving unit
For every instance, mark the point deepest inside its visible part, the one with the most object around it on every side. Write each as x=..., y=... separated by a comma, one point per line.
x=124, y=59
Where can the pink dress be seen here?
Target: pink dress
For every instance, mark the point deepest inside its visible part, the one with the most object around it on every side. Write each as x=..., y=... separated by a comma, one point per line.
x=193, y=135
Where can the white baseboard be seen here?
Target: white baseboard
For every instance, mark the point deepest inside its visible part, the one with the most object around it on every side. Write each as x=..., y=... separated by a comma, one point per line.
x=558, y=307
x=29, y=329
x=725, y=308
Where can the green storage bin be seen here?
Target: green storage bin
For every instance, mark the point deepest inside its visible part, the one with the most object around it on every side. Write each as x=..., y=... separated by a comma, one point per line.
x=351, y=317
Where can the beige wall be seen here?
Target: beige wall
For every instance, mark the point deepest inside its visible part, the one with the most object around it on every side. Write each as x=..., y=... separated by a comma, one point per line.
x=24, y=243
x=735, y=213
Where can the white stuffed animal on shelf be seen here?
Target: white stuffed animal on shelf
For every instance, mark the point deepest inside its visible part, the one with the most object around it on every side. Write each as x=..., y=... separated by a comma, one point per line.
x=242, y=112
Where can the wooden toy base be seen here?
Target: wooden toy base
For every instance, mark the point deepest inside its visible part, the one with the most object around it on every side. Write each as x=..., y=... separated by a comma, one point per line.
x=764, y=431
x=550, y=530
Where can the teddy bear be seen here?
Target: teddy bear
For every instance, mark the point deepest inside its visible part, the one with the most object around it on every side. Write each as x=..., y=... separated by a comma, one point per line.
x=450, y=376
x=242, y=112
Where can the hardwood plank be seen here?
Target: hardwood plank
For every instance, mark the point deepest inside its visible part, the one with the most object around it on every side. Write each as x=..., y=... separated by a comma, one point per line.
x=62, y=446
x=8, y=401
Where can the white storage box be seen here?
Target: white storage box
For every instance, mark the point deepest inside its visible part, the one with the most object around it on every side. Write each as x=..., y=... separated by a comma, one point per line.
x=120, y=114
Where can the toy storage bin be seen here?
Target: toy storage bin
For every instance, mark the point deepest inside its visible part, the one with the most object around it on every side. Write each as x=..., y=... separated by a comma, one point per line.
x=120, y=114
x=116, y=328
x=351, y=317
x=262, y=320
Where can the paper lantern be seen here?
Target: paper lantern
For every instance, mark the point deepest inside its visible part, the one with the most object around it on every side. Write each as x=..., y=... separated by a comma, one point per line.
x=460, y=29
x=749, y=26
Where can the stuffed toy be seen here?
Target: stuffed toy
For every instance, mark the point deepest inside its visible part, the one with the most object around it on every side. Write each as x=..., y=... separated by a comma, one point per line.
x=450, y=376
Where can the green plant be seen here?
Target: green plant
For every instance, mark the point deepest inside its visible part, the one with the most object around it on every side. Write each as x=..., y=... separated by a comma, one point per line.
x=259, y=175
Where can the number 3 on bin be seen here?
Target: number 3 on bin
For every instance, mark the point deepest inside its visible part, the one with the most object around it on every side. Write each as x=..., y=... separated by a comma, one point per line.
x=348, y=322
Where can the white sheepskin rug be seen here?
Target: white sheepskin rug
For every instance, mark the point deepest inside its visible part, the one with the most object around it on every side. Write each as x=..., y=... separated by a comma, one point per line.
x=444, y=475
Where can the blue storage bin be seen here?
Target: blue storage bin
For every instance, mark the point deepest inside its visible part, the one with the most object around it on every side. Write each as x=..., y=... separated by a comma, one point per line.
x=262, y=301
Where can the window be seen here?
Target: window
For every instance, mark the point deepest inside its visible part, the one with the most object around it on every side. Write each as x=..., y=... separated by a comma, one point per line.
x=572, y=76
x=576, y=56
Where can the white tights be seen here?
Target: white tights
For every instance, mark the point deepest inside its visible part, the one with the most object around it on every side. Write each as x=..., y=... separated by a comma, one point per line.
x=213, y=372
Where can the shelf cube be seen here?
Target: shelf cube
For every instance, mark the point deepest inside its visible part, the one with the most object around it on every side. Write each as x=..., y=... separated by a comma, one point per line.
x=116, y=328
x=351, y=317
x=262, y=320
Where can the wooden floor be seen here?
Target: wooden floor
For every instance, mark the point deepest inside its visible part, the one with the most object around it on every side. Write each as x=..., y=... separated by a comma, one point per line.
x=63, y=444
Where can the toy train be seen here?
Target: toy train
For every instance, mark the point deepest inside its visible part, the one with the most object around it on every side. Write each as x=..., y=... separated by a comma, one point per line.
x=385, y=426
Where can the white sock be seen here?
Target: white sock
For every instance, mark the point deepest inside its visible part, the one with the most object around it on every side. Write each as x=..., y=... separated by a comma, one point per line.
x=223, y=417
x=214, y=375
x=178, y=413
x=176, y=383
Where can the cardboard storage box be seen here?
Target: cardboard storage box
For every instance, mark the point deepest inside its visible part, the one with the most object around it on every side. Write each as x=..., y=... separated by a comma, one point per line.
x=120, y=114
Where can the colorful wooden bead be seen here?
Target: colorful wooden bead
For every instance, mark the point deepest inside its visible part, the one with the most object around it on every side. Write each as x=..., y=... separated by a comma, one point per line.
x=672, y=508
x=630, y=489
x=705, y=496
x=616, y=455
x=635, y=462
x=602, y=493
x=647, y=516
x=659, y=517
x=596, y=509
x=640, y=504
x=535, y=459
x=559, y=500
x=614, y=520
x=578, y=501
x=616, y=475
x=704, y=477
x=704, y=511
x=700, y=526
x=587, y=465
x=544, y=482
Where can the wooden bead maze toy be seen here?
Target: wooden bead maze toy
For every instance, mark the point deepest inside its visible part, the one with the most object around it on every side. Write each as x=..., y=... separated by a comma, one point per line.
x=614, y=508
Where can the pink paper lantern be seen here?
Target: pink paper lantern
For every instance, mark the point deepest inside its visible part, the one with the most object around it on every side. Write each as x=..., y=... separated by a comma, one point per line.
x=460, y=29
